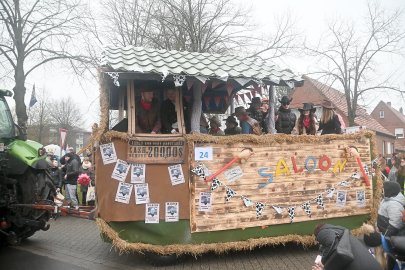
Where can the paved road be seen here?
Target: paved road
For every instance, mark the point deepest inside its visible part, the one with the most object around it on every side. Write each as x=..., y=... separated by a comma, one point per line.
x=73, y=243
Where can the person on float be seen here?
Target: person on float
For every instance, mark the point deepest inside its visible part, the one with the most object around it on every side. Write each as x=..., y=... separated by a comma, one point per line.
x=247, y=123
x=232, y=126
x=329, y=123
x=255, y=111
x=307, y=121
x=147, y=113
x=215, y=127
x=168, y=112
x=286, y=119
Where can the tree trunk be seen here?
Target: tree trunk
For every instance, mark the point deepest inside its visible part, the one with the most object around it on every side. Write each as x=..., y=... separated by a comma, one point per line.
x=19, y=94
x=197, y=107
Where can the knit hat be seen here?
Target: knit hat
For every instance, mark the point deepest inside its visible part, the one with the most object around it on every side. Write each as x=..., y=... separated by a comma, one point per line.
x=391, y=189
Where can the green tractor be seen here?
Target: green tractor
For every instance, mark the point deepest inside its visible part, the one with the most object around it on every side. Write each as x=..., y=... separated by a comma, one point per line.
x=25, y=183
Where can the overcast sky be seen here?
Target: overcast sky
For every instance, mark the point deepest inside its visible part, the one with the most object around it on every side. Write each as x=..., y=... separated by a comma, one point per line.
x=311, y=17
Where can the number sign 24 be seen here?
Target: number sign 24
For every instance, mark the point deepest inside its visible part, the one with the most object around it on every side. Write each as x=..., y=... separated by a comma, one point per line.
x=203, y=153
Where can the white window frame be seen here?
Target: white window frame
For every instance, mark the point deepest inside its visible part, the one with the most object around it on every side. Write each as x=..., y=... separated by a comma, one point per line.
x=381, y=114
x=399, y=133
x=389, y=148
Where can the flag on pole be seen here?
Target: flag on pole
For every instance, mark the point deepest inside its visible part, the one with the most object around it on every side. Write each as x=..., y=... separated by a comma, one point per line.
x=33, y=99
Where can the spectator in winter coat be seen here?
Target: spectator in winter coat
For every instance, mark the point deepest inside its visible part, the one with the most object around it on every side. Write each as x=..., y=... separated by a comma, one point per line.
x=389, y=220
x=329, y=123
x=286, y=118
x=72, y=172
x=401, y=174
x=307, y=120
x=232, y=126
x=326, y=236
x=147, y=113
x=393, y=173
x=56, y=174
x=86, y=168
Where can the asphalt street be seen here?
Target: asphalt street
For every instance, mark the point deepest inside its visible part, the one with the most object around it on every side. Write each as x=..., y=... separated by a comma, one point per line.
x=74, y=243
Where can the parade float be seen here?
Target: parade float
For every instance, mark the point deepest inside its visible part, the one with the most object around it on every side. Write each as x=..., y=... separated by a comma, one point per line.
x=192, y=193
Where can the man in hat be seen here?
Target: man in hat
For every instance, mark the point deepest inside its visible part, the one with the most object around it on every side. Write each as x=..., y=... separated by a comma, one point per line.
x=147, y=113
x=215, y=125
x=255, y=111
x=285, y=122
x=232, y=126
x=247, y=123
x=307, y=121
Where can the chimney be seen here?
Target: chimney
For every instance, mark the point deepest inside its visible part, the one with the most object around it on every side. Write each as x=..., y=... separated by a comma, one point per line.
x=401, y=110
x=389, y=103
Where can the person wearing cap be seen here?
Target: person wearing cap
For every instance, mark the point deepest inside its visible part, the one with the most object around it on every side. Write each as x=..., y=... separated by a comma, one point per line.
x=389, y=219
x=247, y=123
x=147, y=113
x=329, y=123
x=285, y=122
x=55, y=173
x=255, y=111
x=307, y=121
x=168, y=113
x=215, y=127
x=232, y=126
x=72, y=172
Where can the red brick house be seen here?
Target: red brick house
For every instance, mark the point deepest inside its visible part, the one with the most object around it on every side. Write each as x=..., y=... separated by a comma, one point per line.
x=392, y=120
x=315, y=92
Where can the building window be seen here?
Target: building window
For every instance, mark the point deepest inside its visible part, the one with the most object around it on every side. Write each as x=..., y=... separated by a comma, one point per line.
x=389, y=148
x=383, y=148
x=381, y=114
x=399, y=132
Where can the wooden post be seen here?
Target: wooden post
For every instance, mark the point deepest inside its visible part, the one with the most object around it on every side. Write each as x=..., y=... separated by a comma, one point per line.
x=272, y=109
x=121, y=99
x=180, y=111
x=131, y=107
x=197, y=107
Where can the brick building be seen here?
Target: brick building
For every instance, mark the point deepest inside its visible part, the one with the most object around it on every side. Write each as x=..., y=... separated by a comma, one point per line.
x=315, y=92
x=393, y=120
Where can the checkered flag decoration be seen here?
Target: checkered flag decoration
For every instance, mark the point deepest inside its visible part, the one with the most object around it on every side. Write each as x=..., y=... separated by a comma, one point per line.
x=215, y=184
x=248, y=202
x=355, y=175
x=259, y=209
x=330, y=192
x=291, y=213
x=366, y=169
x=307, y=208
x=199, y=170
x=344, y=183
x=229, y=194
x=319, y=201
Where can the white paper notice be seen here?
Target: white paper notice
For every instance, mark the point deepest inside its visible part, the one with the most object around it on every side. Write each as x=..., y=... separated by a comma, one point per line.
x=203, y=153
x=123, y=193
x=205, y=201
x=152, y=213
x=121, y=170
x=176, y=174
x=108, y=153
x=172, y=212
x=138, y=173
x=141, y=193
x=233, y=174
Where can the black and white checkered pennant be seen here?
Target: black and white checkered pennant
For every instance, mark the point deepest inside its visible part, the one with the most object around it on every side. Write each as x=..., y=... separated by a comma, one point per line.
x=307, y=208
x=259, y=209
x=319, y=201
x=291, y=213
x=229, y=194
x=215, y=184
x=199, y=170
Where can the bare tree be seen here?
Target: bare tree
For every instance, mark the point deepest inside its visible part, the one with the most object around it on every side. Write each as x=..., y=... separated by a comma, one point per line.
x=66, y=114
x=351, y=53
x=39, y=118
x=37, y=32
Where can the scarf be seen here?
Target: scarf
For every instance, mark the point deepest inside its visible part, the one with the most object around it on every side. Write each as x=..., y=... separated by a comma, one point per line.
x=146, y=105
x=306, y=121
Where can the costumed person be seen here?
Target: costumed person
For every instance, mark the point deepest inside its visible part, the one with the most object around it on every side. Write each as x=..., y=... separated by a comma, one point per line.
x=56, y=174
x=232, y=126
x=393, y=173
x=255, y=112
x=72, y=172
x=168, y=112
x=215, y=127
x=307, y=120
x=49, y=158
x=203, y=124
x=147, y=113
x=326, y=235
x=286, y=119
x=247, y=123
x=329, y=123
x=389, y=220
x=87, y=169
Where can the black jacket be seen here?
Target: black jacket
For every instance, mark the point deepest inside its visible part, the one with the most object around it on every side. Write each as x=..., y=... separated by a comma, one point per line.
x=286, y=121
x=72, y=171
x=168, y=116
x=331, y=127
x=56, y=175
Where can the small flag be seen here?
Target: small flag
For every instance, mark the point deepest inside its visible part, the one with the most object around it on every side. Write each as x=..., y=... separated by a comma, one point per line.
x=33, y=99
